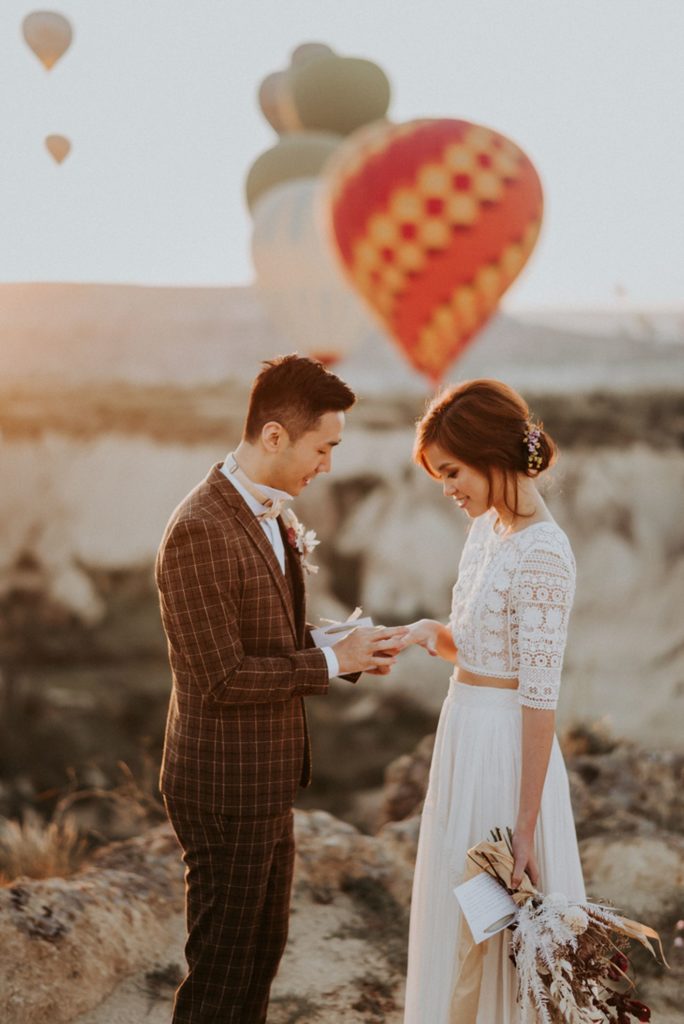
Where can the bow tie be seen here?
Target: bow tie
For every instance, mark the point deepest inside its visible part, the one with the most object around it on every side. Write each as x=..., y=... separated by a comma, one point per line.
x=274, y=506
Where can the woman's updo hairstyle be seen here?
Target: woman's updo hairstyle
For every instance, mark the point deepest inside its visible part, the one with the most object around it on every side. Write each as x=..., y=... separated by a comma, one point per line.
x=487, y=425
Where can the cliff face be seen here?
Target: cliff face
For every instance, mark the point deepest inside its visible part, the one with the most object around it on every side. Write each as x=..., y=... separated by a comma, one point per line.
x=81, y=513
x=115, y=401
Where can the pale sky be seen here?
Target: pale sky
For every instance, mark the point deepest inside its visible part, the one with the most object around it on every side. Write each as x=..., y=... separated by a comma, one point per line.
x=159, y=100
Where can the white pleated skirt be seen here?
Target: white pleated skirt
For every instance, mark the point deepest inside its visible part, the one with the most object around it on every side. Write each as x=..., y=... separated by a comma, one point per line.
x=474, y=787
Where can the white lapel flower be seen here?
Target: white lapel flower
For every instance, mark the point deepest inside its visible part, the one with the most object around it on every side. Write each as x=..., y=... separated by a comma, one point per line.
x=302, y=540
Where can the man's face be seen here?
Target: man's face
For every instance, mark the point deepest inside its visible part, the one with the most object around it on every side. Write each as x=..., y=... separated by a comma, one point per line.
x=300, y=461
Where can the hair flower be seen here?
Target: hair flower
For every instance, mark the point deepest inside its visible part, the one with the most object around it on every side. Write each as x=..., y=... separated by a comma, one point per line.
x=532, y=441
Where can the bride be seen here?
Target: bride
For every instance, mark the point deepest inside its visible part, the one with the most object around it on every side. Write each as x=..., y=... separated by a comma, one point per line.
x=496, y=759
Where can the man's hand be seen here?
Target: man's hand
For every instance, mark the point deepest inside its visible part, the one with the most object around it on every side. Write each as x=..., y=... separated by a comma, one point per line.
x=370, y=649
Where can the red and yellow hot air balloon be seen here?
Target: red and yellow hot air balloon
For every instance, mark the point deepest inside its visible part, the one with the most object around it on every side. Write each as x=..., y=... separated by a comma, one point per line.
x=432, y=220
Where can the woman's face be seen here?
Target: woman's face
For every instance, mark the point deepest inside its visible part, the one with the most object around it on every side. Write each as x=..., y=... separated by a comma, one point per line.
x=465, y=485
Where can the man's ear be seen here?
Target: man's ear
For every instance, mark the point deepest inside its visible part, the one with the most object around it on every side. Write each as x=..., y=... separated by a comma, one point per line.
x=274, y=437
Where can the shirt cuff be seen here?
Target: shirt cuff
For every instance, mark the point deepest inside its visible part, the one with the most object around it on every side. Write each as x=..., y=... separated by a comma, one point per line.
x=331, y=658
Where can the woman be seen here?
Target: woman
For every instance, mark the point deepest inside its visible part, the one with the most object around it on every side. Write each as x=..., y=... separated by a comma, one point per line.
x=496, y=760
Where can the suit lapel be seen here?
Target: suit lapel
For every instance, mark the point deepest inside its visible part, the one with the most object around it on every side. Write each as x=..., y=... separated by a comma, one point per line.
x=297, y=576
x=252, y=527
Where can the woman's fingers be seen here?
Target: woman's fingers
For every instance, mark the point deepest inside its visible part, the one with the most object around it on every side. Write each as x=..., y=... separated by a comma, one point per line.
x=516, y=877
x=524, y=864
x=391, y=644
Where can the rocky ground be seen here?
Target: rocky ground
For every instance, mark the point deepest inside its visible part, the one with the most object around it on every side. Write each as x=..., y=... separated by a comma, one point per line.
x=105, y=945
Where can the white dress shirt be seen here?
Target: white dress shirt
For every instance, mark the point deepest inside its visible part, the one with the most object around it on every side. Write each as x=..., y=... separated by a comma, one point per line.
x=272, y=531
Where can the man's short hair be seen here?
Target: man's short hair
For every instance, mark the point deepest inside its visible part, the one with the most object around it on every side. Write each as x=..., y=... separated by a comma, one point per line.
x=295, y=392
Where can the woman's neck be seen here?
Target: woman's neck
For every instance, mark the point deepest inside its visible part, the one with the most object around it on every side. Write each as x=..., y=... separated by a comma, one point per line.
x=531, y=509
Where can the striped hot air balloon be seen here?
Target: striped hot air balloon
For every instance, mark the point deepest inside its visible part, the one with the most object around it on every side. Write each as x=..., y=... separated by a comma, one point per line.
x=432, y=220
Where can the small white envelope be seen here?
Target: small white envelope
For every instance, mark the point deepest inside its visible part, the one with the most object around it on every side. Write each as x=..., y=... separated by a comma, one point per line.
x=325, y=636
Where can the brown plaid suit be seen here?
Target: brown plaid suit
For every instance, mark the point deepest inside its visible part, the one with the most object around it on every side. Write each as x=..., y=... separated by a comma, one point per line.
x=236, y=745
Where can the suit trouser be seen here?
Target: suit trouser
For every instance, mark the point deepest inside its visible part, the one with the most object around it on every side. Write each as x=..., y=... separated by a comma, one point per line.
x=238, y=879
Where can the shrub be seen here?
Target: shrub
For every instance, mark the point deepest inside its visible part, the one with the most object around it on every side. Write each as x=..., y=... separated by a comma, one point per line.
x=39, y=849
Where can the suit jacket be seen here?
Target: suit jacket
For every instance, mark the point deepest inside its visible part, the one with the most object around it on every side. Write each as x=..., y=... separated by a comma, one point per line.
x=236, y=738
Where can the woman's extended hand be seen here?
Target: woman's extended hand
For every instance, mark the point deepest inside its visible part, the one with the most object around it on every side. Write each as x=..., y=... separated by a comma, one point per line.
x=424, y=633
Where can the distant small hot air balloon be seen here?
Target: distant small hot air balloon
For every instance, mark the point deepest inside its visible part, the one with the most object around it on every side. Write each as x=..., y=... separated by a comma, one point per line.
x=48, y=34
x=58, y=147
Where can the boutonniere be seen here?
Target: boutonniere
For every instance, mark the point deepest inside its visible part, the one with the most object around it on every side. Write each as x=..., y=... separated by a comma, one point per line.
x=302, y=540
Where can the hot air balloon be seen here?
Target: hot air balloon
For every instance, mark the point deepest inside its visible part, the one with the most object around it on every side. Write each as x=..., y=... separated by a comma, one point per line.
x=323, y=92
x=275, y=94
x=276, y=104
x=58, y=147
x=302, y=155
x=306, y=52
x=338, y=94
x=432, y=220
x=48, y=34
x=304, y=294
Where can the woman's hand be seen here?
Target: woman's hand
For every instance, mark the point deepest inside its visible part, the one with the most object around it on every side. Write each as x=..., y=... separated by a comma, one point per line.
x=524, y=858
x=434, y=637
x=424, y=633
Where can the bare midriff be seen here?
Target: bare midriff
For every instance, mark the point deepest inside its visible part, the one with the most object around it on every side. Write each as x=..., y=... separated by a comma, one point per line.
x=472, y=679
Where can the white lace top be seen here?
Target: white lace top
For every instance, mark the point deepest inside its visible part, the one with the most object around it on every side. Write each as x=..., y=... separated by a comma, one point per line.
x=511, y=604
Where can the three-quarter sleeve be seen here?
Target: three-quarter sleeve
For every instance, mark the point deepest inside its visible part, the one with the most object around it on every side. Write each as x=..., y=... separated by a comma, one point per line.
x=541, y=599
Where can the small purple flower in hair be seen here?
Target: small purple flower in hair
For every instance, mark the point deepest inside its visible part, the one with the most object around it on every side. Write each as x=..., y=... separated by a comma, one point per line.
x=532, y=439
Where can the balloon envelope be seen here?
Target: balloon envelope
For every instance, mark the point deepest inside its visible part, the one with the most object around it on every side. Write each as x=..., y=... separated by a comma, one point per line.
x=276, y=103
x=303, y=291
x=58, y=147
x=338, y=94
x=48, y=34
x=432, y=220
x=309, y=51
x=294, y=156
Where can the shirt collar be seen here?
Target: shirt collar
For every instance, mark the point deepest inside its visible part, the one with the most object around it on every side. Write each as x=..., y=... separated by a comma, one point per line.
x=270, y=492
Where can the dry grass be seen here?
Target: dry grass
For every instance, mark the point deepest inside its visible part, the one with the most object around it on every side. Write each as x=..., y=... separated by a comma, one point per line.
x=124, y=810
x=34, y=848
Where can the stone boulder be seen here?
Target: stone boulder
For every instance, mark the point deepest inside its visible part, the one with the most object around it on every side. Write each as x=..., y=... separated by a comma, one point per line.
x=642, y=876
x=66, y=942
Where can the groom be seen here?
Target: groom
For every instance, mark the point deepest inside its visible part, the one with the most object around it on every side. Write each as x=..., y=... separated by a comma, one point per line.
x=231, y=585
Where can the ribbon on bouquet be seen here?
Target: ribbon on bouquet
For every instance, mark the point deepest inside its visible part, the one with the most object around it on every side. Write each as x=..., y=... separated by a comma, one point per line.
x=497, y=860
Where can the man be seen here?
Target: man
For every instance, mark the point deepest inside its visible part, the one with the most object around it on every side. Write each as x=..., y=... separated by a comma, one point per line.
x=232, y=597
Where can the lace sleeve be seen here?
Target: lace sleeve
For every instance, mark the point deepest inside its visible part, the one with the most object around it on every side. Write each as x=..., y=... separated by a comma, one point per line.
x=541, y=601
